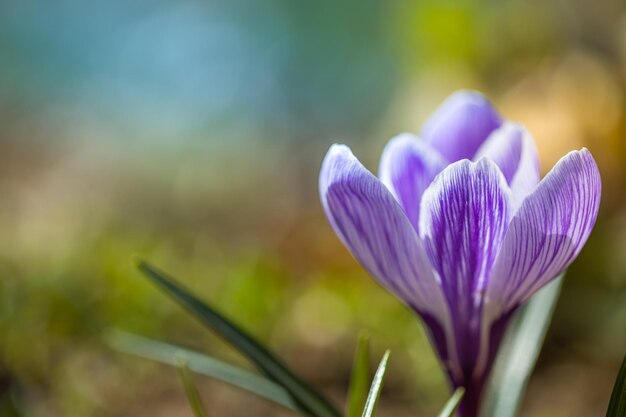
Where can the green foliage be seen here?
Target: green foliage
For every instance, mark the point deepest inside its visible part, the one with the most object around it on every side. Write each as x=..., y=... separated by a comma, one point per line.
x=309, y=400
x=357, y=393
x=376, y=387
x=519, y=352
x=193, y=396
x=167, y=354
x=453, y=403
x=617, y=405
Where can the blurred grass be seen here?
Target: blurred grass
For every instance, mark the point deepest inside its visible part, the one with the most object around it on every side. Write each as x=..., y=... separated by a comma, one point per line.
x=73, y=293
x=286, y=278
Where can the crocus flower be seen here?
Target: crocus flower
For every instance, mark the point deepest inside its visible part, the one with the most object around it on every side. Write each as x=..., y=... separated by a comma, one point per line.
x=459, y=226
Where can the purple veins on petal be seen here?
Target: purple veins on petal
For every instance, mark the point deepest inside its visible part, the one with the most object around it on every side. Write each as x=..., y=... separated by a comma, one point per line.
x=504, y=147
x=373, y=226
x=463, y=243
x=547, y=233
x=463, y=219
x=408, y=165
x=460, y=125
x=513, y=149
x=375, y=229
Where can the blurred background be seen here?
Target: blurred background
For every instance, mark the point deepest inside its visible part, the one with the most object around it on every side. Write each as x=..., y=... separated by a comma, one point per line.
x=191, y=133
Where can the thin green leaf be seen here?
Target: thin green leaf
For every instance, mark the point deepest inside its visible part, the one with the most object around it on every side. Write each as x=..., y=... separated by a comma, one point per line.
x=309, y=400
x=197, y=362
x=519, y=353
x=193, y=396
x=357, y=393
x=617, y=405
x=453, y=403
x=376, y=387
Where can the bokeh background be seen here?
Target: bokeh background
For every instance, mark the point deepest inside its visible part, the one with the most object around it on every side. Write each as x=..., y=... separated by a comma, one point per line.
x=191, y=133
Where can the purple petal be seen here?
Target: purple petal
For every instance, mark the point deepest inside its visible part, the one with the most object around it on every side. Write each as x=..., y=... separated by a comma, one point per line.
x=372, y=225
x=463, y=219
x=547, y=233
x=504, y=147
x=460, y=125
x=513, y=149
x=407, y=167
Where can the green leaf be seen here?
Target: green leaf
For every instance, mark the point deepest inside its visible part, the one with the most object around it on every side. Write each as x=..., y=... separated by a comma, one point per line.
x=197, y=362
x=309, y=400
x=357, y=392
x=617, y=405
x=519, y=352
x=193, y=396
x=453, y=403
x=376, y=387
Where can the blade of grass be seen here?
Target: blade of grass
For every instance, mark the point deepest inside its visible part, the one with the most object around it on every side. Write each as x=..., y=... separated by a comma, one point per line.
x=617, y=404
x=193, y=396
x=357, y=393
x=197, y=362
x=376, y=387
x=309, y=400
x=519, y=352
x=453, y=403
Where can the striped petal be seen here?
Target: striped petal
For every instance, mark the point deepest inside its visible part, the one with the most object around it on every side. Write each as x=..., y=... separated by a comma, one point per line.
x=407, y=167
x=463, y=219
x=373, y=226
x=547, y=232
x=460, y=125
x=513, y=149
